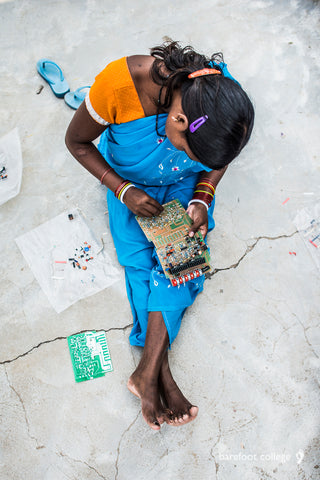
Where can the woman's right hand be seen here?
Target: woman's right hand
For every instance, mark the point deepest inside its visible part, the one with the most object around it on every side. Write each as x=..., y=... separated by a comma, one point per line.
x=140, y=203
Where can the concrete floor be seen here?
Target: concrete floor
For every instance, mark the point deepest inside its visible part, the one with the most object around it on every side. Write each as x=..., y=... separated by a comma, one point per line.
x=248, y=350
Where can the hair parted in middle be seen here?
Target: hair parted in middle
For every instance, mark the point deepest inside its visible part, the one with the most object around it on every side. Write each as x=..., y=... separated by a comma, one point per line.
x=229, y=109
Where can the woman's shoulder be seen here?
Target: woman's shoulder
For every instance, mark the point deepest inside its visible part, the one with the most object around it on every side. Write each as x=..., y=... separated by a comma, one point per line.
x=124, y=70
x=116, y=73
x=113, y=97
x=139, y=67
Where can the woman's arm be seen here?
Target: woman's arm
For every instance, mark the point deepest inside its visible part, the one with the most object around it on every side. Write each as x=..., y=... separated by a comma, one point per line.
x=197, y=211
x=79, y=137
x=215, y=175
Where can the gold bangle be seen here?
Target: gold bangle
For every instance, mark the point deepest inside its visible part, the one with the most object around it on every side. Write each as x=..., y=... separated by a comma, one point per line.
x=203, y=191
x=207, y=185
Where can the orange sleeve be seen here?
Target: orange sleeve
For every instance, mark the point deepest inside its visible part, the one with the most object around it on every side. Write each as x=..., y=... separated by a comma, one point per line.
x=113, y=97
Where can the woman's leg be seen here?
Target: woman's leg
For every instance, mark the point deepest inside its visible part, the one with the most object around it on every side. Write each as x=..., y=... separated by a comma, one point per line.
x=181, y=410
x=153, y=376
x=144, y=382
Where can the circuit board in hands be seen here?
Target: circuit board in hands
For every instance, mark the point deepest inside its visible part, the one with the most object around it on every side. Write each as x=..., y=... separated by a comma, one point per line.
x=89, y=355
x=182, y=258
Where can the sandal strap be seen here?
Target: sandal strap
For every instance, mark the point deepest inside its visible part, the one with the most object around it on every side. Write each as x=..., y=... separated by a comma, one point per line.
x=80, y=97
x=44, y=73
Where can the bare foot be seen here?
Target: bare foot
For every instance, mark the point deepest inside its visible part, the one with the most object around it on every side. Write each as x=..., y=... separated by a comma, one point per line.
x=178, y=409
x=148, y=392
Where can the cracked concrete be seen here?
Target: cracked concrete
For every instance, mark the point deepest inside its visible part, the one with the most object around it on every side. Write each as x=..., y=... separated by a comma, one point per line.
x=119, y=445
x=63, y=455
x=249, y=249
x=61, y=338
x=24, y=412
x=248, y=350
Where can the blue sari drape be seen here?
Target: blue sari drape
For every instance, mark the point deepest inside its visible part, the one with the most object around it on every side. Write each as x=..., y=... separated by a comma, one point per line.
x=152, y=163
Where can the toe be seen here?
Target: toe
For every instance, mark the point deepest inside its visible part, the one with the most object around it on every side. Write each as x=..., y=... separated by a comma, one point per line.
x=193, y=411
x=152, y=421
x=176, y=421
x=161, y=418
x=168, y=415
x=154, y=424
x=184, y=418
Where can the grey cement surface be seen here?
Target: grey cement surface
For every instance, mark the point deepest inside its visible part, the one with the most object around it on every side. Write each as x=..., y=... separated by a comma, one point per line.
x=248, y=350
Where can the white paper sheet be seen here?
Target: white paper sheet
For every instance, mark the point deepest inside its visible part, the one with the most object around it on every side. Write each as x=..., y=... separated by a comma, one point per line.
x=11, y=159
x=48, y=248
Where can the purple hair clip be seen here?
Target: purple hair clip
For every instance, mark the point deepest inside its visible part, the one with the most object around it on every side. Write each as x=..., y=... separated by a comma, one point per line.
x=197, y=123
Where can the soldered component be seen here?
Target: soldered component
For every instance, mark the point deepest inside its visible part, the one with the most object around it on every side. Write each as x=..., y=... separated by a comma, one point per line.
x=183, y=258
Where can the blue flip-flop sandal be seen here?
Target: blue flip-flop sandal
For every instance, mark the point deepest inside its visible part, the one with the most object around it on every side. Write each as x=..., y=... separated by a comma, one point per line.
x=52, y=73
x=74, y=99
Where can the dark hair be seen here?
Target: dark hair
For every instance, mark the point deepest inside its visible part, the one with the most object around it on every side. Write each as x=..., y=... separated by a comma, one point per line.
x=231, y=115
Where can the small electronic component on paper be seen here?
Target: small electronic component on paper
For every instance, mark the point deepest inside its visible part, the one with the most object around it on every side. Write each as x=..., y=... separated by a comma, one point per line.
x=58, y=263
x=89, y=355
x=182, y=258
x=3, y=173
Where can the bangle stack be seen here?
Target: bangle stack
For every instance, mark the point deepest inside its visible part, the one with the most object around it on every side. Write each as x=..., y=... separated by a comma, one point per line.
x=122, y=188
x=203, y=196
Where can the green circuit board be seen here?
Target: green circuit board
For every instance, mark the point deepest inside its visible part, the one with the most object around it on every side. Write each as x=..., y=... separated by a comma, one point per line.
x=89, y=355
x=182, y=258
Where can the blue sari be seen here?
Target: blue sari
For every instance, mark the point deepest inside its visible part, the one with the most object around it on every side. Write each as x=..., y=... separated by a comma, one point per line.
x=152, y=163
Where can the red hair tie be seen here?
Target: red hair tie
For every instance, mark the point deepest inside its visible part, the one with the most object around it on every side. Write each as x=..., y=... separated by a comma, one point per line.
x=204, y=71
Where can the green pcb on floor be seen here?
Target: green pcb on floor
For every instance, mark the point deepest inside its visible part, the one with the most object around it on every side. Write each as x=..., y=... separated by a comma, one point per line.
x=89, y=355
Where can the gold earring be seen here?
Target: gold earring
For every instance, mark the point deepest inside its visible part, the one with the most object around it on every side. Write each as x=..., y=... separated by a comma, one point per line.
x=174, y=119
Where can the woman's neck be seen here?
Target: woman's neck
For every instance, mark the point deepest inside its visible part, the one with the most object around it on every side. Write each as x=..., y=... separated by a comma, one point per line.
x=148, y=91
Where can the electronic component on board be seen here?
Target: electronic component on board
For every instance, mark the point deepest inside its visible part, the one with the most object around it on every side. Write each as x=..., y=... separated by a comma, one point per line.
x=182, y=258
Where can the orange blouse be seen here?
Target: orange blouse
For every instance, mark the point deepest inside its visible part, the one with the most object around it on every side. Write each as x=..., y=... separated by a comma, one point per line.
x=113, y=97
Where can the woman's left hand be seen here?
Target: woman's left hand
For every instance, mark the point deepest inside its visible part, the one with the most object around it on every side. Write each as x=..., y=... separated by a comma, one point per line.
x=199, y=216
